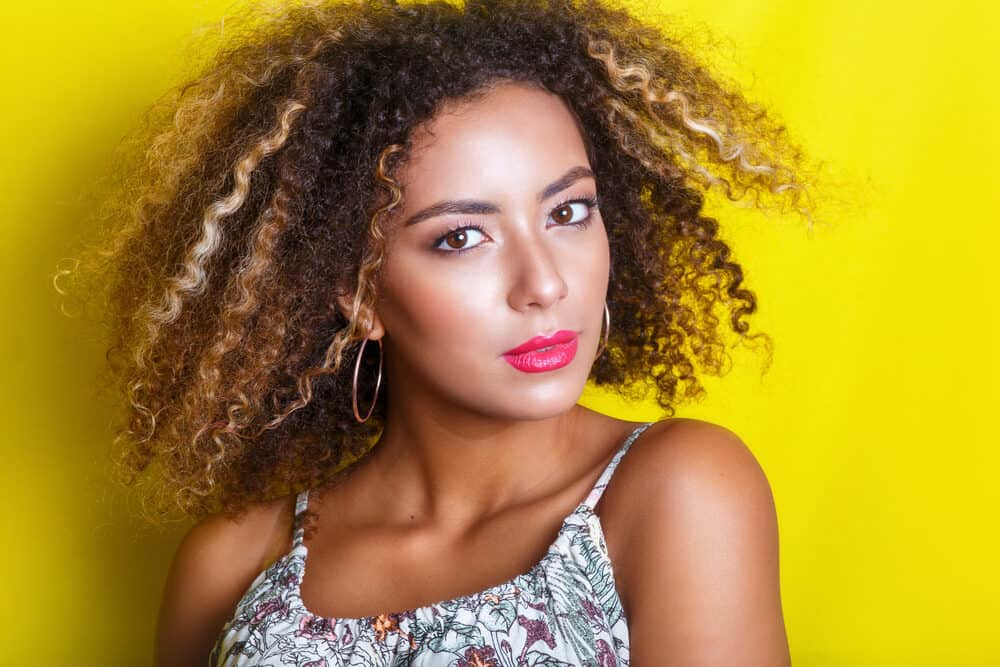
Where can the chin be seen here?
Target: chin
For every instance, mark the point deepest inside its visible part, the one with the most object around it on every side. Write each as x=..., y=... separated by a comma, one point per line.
x=530, y=405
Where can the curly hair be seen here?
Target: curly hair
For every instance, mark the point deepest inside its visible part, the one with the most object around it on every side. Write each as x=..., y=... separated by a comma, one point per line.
x=258, y=191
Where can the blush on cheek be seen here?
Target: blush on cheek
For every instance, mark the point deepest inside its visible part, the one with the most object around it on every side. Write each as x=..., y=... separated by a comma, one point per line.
x=440, y=315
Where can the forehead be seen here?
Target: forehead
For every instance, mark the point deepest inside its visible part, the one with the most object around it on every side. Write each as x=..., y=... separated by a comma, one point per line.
x=511, y=135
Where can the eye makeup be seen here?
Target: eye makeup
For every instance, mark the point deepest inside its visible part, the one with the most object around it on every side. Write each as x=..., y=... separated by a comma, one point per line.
x=591, y=202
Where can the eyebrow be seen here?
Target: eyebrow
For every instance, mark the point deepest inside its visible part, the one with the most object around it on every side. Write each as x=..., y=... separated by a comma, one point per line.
x=479, y=207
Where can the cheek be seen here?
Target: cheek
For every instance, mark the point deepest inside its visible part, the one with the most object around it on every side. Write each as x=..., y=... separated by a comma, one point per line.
x=440, y=303
x=602, y=254
x=592, y=262
x=432, y=304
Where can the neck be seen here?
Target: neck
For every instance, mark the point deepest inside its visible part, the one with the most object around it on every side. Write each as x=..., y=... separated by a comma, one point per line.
x=433, y=466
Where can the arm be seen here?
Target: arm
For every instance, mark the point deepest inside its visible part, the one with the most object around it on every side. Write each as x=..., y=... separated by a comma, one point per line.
x=214, y=564
x=701, y=565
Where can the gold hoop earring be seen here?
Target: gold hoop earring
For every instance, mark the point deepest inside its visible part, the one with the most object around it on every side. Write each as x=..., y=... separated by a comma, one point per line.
x=607, y=328
x=378, y=382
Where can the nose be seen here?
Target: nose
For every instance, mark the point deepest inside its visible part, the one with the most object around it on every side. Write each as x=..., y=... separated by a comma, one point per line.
x=537, y=279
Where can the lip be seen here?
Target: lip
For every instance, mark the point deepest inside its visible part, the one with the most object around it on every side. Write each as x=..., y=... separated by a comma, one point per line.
x=561, y=336
x=530, y=358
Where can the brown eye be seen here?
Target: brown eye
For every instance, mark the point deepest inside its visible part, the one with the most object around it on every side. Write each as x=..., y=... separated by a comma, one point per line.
x=457, y=239
x=563, y=214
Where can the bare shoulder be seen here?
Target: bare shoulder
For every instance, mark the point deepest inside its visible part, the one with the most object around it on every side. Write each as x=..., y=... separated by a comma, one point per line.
x=690, y=461
x=695, y=549
x=685, y=460
x=694, y=440
x=214, y=564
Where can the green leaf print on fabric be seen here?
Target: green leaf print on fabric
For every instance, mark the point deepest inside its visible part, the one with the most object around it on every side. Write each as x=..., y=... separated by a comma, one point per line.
x=452, y=637
x=500, y=616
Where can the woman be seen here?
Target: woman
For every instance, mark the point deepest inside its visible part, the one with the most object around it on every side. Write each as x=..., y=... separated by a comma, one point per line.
x=371, y=257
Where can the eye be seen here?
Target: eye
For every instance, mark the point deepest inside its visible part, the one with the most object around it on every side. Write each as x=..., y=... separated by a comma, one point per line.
x=457, y=239
x=576, y=212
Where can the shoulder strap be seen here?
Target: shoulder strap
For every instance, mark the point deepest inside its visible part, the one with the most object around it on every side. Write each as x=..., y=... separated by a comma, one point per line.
x=602, y=482
x=301, y=503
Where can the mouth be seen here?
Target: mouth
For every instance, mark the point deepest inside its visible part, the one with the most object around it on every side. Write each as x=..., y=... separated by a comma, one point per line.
x=541, y=343
x=544, y=353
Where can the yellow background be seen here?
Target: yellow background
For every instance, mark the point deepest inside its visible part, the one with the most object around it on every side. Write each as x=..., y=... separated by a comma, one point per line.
x=875, y=426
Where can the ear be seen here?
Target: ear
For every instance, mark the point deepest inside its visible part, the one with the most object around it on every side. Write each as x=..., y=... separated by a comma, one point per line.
x=345, y=304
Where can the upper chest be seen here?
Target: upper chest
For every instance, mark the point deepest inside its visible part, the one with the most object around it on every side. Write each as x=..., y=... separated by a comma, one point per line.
x=355, y=571
x=365, y=569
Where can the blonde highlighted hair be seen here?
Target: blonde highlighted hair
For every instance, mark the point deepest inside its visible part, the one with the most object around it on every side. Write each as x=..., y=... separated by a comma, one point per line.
x=261, y=189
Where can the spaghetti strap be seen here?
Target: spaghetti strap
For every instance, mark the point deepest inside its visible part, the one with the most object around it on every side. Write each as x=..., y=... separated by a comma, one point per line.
x=302, y=500
x=301, y=503
x=272, y=624
x=602, y=482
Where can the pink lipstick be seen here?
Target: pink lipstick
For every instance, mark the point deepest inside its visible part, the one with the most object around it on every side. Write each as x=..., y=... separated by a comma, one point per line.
x=543, y=353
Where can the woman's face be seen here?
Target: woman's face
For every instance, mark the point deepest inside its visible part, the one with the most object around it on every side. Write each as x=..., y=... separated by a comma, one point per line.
x=494, y=245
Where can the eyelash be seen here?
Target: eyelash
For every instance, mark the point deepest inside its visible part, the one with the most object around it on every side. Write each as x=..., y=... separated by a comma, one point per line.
x=591, y=202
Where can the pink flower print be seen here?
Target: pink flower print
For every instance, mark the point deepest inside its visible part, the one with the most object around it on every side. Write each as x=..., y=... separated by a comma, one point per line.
x=347, y=637
x=537, y=631
x=592, y=610
x=315, y=627
x=505, y=645
x=478, y=657
x=537, y=606
x=268, y=607
x=605, y=657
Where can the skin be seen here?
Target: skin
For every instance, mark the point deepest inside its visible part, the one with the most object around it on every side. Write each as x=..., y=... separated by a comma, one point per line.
x=445, y=318
x=479, y=462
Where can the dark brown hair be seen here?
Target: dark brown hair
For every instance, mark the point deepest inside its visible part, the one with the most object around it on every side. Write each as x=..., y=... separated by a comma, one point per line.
x=259, y=189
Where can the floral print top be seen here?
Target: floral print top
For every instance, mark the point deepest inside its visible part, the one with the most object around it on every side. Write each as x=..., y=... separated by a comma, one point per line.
x=563, y=611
